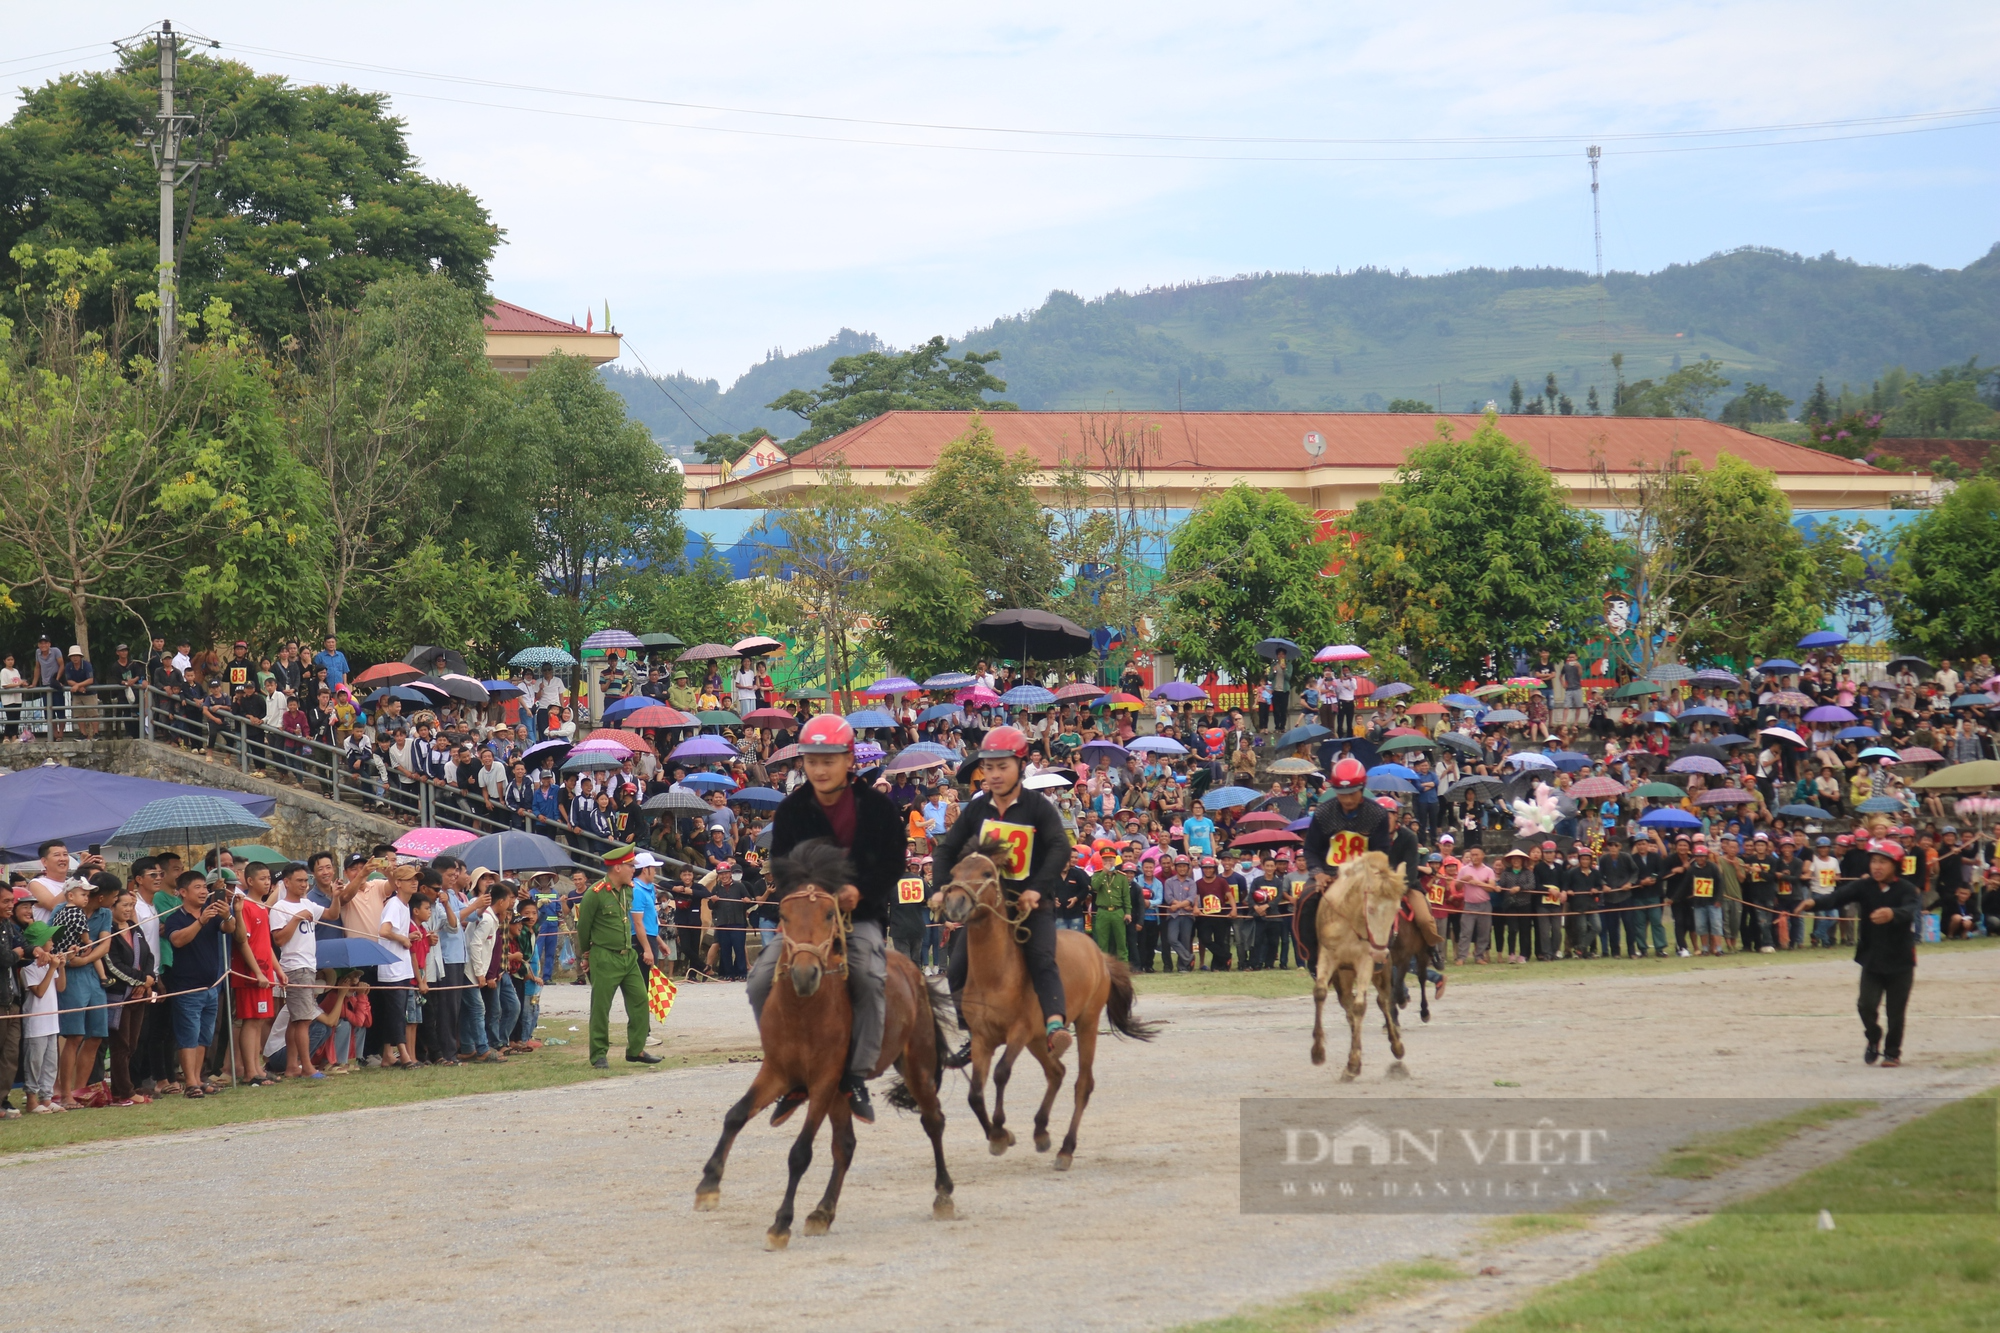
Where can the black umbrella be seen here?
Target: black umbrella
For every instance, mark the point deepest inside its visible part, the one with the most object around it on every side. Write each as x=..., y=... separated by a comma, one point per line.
x=1459, y=741
x=444, y=661
x=661, y=640
x=1042, y=635
x=1915, y=664
x=1268, y=649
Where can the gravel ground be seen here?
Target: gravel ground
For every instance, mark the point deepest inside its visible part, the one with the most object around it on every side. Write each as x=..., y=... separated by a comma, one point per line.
x=575, y=1204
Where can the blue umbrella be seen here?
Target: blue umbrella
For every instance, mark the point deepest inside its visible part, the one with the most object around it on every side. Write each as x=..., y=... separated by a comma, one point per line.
x=1881, y=752
x=1395, y=689
x=763, y=798
x=541, y=657
x=1157, y=745
x=1310, y=731
x=1704, y=711
x=1500, y=715
x=1403, y=771
x=515, y=853
x=949, y=680
x=1880, y=805
x=1110, y=748
x=1972, y=701
x=1778, y=666
x=890, y=685
x=185, y=820
x=1824, y=638
x=1662, y=719
x=707, y=782
x=1860, y=733
x=1299, y=825
x=631, y=703
x=1800, y=810
x=870, y=717
x=80, y=806
x=1222, y=798
x=936, y=711
x=1526, y=759
x=1464, y=701
x=932, y=748
x=1668, y=818
x=1268, y=649
x=1387, y=782
x=407, y=695
x=1025, y=696
x=341, y=951
x=1731, y=739
x=502, y=689
x=1569, y=761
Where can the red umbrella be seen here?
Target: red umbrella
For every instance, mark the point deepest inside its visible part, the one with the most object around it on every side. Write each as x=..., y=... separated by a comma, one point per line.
x=769, y=717
x=1263, y=819
x=657, y=715
x=631, y=740
x=1402, y=731
x=1363, y=687
x=1425, y=710
x=389, y=673
x=779, y=756
x=1272, y=837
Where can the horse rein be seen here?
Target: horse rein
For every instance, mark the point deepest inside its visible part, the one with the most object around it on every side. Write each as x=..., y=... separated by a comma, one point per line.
x=822, y=951
x=1019, y=922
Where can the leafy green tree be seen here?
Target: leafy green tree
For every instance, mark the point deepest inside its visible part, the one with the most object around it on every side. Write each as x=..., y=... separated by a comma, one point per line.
x=923, y=597
x=726, y=448
x=697, y=599
x=1685, y=392
x=1472, y=549
x=435, y=594
x=1757, y=404
x=1947, y=571
x=982, y=502
x=1945, y=405
x=315, y=192
x=817, y=558
x=864, y=386
x=1245, y=567
x=1409, y=405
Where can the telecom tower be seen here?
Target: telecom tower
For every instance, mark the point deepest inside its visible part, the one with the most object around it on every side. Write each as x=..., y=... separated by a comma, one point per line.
x=1596, y=225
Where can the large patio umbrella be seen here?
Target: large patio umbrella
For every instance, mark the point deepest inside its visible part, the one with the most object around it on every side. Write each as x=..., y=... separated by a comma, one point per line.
x=1025, y=635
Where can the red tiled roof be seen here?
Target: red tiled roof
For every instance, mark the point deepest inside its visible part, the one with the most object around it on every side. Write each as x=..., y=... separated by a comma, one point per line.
x=510, y=318
x=1272, y=441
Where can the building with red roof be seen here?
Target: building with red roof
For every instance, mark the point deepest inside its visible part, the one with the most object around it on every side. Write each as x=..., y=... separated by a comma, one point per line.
x=518, y=340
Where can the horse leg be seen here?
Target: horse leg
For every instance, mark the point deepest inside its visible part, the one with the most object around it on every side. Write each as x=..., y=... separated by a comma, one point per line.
x=780, y=1234
x=1354, y=999
x=820, y=1220
x=982, y=1056
x=999, y=1138
x=1392, y=1021
x=1054, y=1073
x=1319, y=1008
x=708, y=1194
x=923, y=1087
x=1086, y=1079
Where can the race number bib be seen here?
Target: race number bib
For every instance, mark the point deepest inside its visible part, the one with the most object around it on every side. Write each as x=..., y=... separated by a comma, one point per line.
x=1909, y=865
x=239, y=676
x=1345, y=847
x=1552, y=898
x=1436, y=894
x=909, y=890
x=1017, y=846
x=1827, y=877
x=1704, y=887
x=1210, y=904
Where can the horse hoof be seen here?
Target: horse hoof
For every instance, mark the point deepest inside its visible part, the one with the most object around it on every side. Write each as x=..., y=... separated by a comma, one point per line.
x=818, y=1223
x=1064, y=1161
x=943, y=1210
x=1398, y=1069
x=708, y=1202
x=1000, y=1142
x=777, y=1240
x=1042, y=1142
x=1349, y=1074
x=1319, y=1057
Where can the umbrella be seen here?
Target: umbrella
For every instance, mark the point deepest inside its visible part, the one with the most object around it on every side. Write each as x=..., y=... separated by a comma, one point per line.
x=388, y=673
x=1880, y=805
x=1702, y=711
x=605, y=738
x=1920, y=754
x=593, y=761
x=186, y=820
x=675, y=800
x=1669, y=673
x=890, y=686
x=708, y=782
x=1731, y=739
x=1591, y=789
x=1973, y=701
x=1459, y=741
x=631, y=740
x=1830, y=713
x=1634, y=689
x=1299, y=735
x=403, y=692
x=1824, y=638
x=1159, y=745
x=1477, y=782
x=1109, y=748
x=706, y=652
x=1403, y=731
x=1915, y=664
x=768, y=717
x=1224, y=797
x=1341, y=652
x=703, y=747
x=1859, y=733
x=1697, y=763
x=345, y=951
x=1406, y=743
x=762, y=798
x=631, y=703
x=718, y=717
x=977, y=695
x=868, y=752
x=1388, y=782
x=650, y=714
x=1978, y=773
x=661, y=640
x=1724, y=796
x=1119, y=700
x=1426, y=710
x=466, y=688
x=1269, y=649
x=1800, y=810
x=1025, y=634
x=1784, y=734
x=783, y=754
x=1717, y=676
x=258, y=852
x=427, y=687
x=612, y=638
x=807, y=694
x=1503, y=715
x=1488, y=691
x=1525, y=759
x=913, y=760
x=1027, y=696
x=1525, y=682
x=757, y=645
x=427, y=658
x=1055, y=777
x=424, y=843
x=1569, y=761
x=1270, y=837
x=549, y=748
x=1292, y=767
x=1777, y=666
x=1402, y=771
x=949, y=680
x=1180, y=692
x=1881, y=752
x=1395, y=689
x=515, y=853
x=1464, y=701
x=869, y=717
x=1658, y=791
x=933, y=713
x=1078, y=690
x=1668, y=819
x=502, y=690
x=1662, y=719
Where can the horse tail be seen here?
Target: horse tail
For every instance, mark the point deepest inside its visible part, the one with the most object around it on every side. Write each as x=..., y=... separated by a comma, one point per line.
x=1119, y=1007
x=899, y=1095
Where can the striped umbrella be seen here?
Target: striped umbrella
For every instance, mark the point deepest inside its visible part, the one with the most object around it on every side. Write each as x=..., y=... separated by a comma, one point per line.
x=1724, y=796
x=186, y=820
x=612, y=638
x=1028, y=696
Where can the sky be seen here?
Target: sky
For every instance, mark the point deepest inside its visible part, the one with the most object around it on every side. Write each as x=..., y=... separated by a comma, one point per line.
x=753, y=176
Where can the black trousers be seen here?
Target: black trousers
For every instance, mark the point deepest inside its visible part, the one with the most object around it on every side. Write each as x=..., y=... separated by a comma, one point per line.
x=440, y=1028
x=1039, y=952
x=1215, y=933
x=1876, y=987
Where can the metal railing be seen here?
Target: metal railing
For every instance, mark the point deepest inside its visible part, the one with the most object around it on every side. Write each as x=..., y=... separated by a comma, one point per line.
x=57, y=713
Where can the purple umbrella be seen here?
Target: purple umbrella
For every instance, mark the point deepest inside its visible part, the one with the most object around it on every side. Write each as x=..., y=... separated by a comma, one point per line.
x=704, y=747
x=1724, y=796
x=1180, y=692
x=612, y=638
x=1697, y=763
x=1829, y=713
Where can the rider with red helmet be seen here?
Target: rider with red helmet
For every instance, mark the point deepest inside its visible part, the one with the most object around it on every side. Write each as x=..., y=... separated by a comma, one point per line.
x=867, y=825
x=1032, y=866
x=1341, y=829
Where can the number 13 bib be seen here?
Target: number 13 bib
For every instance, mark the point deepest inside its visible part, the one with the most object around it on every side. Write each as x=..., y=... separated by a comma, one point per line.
x=1017, y=846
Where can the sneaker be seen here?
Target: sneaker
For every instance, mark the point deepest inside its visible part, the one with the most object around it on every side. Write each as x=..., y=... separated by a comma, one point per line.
x=1683, y=953
x=961, y=1057
x=1871, y=1055
x=1767, y=949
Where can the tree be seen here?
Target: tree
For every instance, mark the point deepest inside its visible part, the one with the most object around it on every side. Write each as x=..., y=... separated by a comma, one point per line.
x=726, y=448
x=1514, y=395
x=864, y=386
x=1246, y=567
x=700, y=600
x=982, y=501
x=456, y=597
x=1685, y=392
x=1947, y=570
x=1819, y=406
x=1947, y=404
x=1472, y=549
x=818, y=547
x=1107, y=520
x=1590, y=405
x=923, y=597
x=1716, y=567
x=1409, y=405
x=1757, y=404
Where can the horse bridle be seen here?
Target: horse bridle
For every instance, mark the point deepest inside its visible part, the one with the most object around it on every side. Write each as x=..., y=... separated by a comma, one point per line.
x=1019, y=921
x=1367, y=930
x=823, y=951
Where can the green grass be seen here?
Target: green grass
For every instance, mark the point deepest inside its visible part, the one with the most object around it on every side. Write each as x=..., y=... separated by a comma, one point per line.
x=1711, y=1154
x=552, y=1066
x=1762, y=1266
x=1533, y=1226
x=1315, y=1310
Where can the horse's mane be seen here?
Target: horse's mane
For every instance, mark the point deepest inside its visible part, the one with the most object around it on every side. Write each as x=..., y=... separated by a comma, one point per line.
x=820, y=862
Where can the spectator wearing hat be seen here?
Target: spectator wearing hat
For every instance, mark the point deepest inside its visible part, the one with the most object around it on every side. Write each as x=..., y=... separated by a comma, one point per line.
x=1513, y=902
x=729, y=918
x=1886, y=949
x=1583, y=898
x=1111, y=901
x=1550, y=887
x=1654, y=864
x=1177, y=908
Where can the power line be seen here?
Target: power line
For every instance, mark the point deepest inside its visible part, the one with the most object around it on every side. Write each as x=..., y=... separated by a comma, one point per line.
x=661, y=385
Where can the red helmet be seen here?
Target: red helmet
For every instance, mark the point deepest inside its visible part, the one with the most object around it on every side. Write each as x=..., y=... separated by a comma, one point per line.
x=1888, y=847
x=1004, y=743
x=1349, y=775
x=1387, y=803
x=827, y=734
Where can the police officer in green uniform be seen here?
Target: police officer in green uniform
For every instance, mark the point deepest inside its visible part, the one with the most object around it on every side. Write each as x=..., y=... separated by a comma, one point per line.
x=604, y=933
x=1111, y=893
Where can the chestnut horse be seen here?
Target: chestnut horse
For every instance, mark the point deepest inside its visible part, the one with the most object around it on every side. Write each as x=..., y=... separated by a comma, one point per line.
x=806, y=1028
x=1002, y=1013
x=1355, y=925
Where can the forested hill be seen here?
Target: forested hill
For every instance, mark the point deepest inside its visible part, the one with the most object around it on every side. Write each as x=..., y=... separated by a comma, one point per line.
x=1359, y=339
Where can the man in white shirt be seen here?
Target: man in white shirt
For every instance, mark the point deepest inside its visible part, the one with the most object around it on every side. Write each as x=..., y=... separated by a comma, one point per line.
x=395, y=983
x=293, y=919
x=1947, y=679
x=492, y=780
x=49, y=886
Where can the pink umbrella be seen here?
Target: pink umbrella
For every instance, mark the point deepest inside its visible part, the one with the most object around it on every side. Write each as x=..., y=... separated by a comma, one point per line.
x=976, y=694
x=1919, y=754
x=1724, y=796
x=658, y=715
x=1591, y=789
x=424, y=843
x=1078, y=690
x=1341, y=652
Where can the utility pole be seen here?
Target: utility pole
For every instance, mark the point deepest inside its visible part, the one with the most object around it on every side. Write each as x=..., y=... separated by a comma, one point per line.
x=164, y=140
x=1596, y=225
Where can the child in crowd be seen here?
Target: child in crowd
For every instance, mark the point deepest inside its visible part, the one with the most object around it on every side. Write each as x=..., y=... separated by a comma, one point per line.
x=42, y=1019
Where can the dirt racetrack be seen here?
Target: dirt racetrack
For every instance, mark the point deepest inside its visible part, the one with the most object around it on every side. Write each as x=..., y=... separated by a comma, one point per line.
x=572, y=1207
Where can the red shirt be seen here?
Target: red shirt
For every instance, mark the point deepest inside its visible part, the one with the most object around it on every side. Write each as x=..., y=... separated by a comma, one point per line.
x=841, y=816
x=257, y=926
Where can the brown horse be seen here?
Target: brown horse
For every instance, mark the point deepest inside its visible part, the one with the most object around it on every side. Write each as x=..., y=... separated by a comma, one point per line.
x=805, y=1030
x=1355, y=925
x=1002, y=1013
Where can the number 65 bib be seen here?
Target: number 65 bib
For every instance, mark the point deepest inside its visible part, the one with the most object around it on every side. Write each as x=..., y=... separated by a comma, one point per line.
x=1017, y=846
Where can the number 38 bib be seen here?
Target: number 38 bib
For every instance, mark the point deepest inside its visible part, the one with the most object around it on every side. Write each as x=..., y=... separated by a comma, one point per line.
x=1017, y=846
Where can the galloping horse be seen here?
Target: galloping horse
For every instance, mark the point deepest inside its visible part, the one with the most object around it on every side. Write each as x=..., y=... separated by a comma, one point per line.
x=1002, y=1013
x=1357, y=917
x=806, y=1028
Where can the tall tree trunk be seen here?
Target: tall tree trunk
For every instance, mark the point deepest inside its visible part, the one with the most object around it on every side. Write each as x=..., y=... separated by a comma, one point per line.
x=81, y=621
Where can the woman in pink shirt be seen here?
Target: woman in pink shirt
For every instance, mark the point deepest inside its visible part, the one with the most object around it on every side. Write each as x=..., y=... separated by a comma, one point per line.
x=1475, y=920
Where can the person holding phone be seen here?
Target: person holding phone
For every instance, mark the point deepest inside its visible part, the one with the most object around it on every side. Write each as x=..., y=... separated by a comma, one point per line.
x=197, y=931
